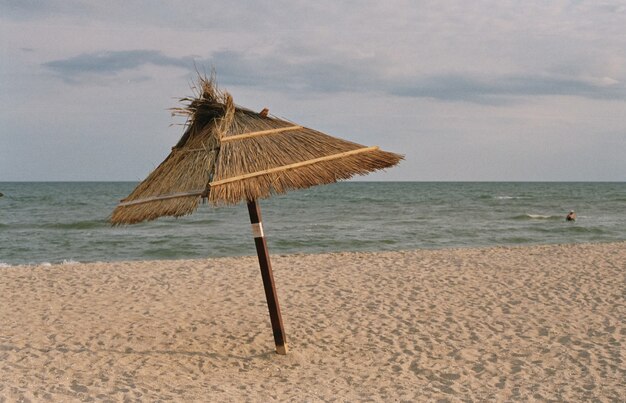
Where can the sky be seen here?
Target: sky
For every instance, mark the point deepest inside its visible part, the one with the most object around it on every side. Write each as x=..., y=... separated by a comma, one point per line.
x=468, y=91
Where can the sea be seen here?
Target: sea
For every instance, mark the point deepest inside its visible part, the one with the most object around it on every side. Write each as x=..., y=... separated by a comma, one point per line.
x=67, y=222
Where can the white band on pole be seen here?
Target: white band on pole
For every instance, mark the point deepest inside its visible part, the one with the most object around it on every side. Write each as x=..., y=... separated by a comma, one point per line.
x=257, y=230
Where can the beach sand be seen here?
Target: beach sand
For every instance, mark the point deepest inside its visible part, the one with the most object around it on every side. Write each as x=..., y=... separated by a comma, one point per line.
x=495, y=324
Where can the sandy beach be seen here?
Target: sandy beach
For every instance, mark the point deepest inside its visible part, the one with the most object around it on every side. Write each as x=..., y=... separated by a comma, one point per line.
x=489, y=324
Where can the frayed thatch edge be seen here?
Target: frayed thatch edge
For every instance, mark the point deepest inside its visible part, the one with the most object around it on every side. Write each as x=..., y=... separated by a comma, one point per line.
x=133, y=214
x=207, y=97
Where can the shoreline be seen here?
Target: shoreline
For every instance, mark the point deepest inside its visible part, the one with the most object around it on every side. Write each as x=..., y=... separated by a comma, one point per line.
x=70, y=262
x=491, y=323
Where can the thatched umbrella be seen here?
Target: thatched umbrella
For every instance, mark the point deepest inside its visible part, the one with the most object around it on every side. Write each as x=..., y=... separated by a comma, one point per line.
x=230, y=154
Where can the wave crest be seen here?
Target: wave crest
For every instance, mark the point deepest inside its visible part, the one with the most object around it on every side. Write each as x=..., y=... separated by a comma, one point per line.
x=530, y=216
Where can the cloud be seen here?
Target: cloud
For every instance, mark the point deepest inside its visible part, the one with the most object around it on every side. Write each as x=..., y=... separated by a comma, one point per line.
x=28, y=9
x=180, y=14
x=111, y=63
x=235, y=68
x=493, y=90
x=331, y=73
x=340, y=73
x=279, y=71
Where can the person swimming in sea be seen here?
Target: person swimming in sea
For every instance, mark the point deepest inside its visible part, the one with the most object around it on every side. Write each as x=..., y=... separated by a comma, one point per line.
x=571, y=216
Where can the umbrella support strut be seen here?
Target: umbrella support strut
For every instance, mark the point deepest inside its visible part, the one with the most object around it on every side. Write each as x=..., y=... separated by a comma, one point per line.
x=268, y=277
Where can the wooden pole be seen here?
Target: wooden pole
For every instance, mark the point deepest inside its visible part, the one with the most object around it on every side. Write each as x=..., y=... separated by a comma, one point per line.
x=268, y=277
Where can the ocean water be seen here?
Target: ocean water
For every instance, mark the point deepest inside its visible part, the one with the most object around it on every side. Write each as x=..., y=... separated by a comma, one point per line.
x=57, y=222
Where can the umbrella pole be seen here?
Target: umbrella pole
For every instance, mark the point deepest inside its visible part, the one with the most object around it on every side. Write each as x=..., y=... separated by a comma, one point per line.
x=268, y=277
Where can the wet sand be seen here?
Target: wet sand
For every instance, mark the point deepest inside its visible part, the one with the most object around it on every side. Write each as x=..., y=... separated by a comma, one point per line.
x=497, y=324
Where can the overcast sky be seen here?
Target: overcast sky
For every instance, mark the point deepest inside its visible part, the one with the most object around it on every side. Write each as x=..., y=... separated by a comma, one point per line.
x=466, y=90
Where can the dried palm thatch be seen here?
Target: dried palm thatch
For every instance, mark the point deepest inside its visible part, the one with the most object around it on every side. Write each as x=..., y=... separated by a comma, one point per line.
x=228, y=154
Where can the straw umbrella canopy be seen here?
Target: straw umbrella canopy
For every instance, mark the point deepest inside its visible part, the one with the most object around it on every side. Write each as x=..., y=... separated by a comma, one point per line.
x=230, y=154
